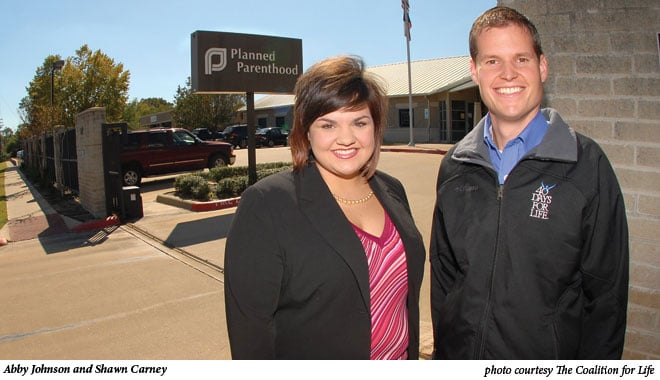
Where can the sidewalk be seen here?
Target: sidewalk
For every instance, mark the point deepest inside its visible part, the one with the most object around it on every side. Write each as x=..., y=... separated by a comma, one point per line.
x=29, y=216
x=418, y=148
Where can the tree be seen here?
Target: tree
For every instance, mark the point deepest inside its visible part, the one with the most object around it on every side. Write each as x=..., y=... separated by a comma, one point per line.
x=35, y=107
x=5, y=132
x=89, y=79
x=92, y=79
x=204, y=110
x=136, y=109
x=10, y=144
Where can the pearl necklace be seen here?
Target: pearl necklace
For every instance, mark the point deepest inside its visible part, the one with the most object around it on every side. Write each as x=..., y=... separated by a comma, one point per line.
x=352, y=202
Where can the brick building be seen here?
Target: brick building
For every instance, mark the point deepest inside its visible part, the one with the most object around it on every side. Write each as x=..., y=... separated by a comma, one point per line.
x=603, y=58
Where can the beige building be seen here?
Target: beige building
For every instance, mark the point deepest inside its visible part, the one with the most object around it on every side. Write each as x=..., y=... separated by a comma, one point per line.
x=270, y=111
x=158, y=120
x=444, y=101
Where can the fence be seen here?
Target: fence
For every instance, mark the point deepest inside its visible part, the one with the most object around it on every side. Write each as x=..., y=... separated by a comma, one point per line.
x=53, y=155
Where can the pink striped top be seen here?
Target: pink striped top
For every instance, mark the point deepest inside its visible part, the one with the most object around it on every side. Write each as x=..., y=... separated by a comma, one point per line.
x=388, y=285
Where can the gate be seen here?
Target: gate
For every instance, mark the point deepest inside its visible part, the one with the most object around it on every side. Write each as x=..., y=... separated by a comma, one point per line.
x=119, y=200
x=48, y=170
x=112, y=144
x=69, y=158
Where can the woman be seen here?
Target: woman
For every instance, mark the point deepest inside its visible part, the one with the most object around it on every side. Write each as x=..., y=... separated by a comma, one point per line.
x=324, y=261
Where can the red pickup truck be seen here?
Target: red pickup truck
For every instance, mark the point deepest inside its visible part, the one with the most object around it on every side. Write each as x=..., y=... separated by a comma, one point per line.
x=169, y=150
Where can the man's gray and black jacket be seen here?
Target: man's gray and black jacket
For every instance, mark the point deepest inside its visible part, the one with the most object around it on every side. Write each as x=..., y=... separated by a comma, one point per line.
x=536, y=268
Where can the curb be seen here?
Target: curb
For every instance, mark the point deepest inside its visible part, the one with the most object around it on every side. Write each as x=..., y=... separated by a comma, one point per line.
x=413, y=150
x=96, y=224
x=197, y=206
x=215, y=205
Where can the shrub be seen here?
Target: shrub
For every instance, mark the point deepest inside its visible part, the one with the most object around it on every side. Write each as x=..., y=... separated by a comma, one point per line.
x=192, y=186
x=217, y=174
x=234, y=186
x=231, y=187
x=229, y=181
x=263, y=173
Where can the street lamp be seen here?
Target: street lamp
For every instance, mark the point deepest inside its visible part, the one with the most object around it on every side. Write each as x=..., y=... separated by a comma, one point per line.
x=56, y=66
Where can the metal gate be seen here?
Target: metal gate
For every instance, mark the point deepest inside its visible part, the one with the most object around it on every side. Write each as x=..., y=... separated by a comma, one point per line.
x=69, y=158
x=113, y=134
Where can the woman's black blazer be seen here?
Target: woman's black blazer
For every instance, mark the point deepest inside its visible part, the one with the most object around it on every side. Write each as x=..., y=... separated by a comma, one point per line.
x=296, y=276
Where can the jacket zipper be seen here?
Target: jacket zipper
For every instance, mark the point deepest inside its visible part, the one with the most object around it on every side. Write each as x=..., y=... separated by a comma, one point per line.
x=484, y=319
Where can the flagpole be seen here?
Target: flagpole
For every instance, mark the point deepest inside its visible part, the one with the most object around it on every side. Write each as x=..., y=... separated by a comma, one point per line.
x=406, y=31
x=410, y=112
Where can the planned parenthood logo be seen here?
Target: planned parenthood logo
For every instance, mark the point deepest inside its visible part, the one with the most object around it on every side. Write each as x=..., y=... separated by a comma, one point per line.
x=215, y=54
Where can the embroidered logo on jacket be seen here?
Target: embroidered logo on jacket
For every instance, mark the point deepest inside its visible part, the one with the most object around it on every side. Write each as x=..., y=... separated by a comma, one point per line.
x=541, y=200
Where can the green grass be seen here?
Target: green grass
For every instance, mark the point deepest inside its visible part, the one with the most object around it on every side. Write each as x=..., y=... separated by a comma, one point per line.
x=3, y=197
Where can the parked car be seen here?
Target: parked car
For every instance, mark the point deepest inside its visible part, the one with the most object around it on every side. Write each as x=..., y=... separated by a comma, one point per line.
x=169, y=150
x=236, y=135
x=271, y=137
x=205, y=134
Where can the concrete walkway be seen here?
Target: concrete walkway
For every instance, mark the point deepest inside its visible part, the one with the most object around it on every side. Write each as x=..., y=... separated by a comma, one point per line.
x=28, y=215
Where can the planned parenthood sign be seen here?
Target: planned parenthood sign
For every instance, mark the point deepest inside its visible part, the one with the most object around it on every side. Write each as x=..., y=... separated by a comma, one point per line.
x=241, y=63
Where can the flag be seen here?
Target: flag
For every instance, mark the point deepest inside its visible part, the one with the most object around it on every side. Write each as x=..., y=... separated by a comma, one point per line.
x=407, y=24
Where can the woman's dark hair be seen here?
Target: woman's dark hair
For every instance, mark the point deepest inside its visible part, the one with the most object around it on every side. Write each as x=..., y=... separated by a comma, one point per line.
x=330, y=85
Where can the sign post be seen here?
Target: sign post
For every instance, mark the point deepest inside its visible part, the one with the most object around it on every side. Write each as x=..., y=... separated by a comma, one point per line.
x=252, y=143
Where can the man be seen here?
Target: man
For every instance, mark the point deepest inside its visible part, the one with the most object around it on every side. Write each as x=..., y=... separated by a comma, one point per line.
x=529, y=247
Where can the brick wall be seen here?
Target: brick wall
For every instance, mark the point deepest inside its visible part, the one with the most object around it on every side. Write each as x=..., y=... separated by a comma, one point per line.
x=89, y=147
x=605, y=81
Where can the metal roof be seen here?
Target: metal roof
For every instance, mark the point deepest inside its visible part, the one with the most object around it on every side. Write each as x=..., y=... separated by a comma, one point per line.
x=428, y=77
x=273, y=101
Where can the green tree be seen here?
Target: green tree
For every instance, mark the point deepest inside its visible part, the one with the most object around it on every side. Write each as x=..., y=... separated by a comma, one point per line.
x=88, y=79
x=136, y=109
x=10, y=143
x=92, y=79
x=5, y=132
x=204, y=110
x=35, y=110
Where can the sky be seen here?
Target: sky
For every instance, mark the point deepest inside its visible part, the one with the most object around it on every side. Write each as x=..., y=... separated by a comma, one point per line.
x=151, y=38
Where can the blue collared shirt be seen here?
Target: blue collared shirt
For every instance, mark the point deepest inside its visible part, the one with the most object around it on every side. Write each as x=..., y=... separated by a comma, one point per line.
x=515, y=149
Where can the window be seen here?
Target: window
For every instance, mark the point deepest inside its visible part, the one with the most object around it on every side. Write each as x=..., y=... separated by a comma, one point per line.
x=183, y=138
x=133, y=140
x=443, y=121
x=280, y=122
x=157, y=139
x=462, y=118
x=404, y=118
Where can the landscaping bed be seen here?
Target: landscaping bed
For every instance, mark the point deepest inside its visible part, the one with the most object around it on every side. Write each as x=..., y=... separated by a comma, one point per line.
x=223, y=182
